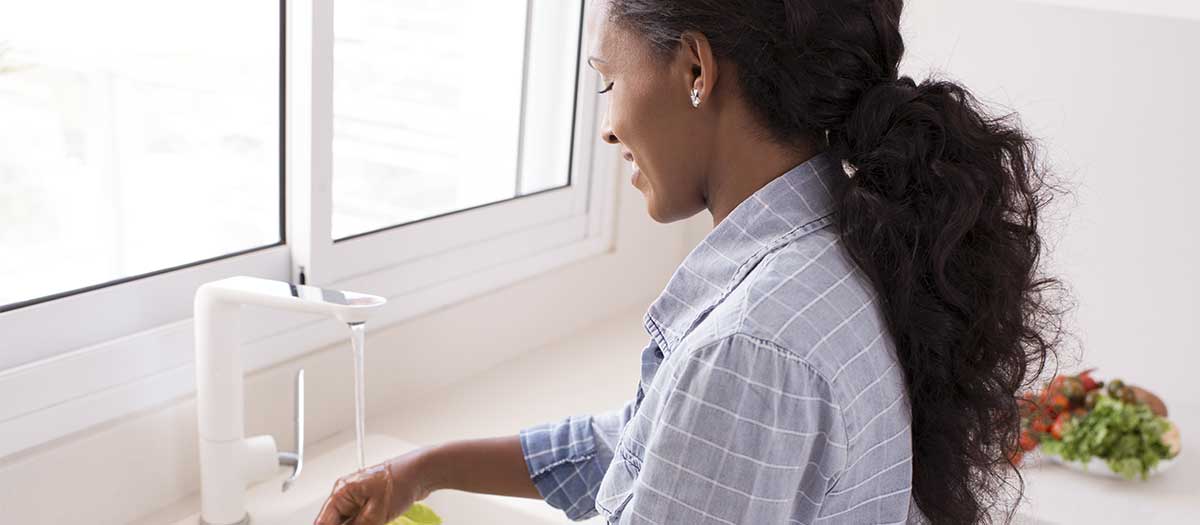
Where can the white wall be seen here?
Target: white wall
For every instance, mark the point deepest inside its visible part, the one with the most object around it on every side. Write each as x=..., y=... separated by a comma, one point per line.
x=126, y=469
x=1113, y=96
x=1174, y=8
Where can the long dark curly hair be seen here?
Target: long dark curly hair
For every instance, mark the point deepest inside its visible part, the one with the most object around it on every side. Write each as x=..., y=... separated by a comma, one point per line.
x=941, y=212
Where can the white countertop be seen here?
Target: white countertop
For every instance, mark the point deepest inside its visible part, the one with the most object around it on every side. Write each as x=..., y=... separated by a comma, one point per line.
x=1057, y=494
x=544, y=385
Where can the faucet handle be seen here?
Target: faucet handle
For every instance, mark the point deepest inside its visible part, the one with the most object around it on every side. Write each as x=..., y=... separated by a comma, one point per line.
x=296, y=459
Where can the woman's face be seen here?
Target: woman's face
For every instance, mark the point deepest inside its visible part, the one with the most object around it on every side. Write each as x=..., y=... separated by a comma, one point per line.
x=651, y=118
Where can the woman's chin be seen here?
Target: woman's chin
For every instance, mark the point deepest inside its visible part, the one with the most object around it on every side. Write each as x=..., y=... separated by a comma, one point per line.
x=653, y=209
x=658, y=213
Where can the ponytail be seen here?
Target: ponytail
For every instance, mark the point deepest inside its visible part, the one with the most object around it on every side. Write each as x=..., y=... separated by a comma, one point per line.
x=942, y=215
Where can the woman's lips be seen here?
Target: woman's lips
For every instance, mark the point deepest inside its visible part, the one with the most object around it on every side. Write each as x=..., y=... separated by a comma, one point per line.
x=633, y=164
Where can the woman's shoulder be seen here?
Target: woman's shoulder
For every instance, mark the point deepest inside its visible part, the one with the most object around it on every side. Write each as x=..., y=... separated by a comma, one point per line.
x=809, y=298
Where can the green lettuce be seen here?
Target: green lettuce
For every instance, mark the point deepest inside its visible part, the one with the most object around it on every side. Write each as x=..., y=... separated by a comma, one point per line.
x=1127, y=436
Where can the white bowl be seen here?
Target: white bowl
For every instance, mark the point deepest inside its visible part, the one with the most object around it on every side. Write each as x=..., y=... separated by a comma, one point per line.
x=1097, y=466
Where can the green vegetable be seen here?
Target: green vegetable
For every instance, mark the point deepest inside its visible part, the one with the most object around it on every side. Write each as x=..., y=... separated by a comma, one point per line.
x=1127, y=436
x=418, y=514
x=1114, y=387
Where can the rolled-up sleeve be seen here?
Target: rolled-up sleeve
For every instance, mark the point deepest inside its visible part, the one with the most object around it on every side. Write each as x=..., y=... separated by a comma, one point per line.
x=567, y=460
x=747, y=433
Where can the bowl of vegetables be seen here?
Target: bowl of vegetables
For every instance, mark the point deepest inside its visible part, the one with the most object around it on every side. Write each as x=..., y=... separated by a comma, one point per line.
x=1106, y=428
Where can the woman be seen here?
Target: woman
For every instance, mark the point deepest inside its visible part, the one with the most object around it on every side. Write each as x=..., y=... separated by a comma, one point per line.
x=846, y=345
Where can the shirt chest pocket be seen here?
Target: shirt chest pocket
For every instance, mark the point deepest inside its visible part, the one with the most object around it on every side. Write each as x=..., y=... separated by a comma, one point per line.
x=617, y=487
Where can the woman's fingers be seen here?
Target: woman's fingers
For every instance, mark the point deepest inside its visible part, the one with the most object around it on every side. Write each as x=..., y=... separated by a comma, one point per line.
x=372, y=495
x=340, y=506
x=373, y=513
x=329, y=514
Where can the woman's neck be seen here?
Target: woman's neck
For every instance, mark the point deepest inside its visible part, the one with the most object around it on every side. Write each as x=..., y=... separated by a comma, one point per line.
x=745, y=165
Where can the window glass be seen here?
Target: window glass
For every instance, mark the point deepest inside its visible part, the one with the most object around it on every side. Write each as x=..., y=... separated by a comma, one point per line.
x=445, y=105
x=137, y=136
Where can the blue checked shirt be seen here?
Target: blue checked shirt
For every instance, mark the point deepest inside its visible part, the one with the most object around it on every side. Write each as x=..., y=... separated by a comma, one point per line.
x=770, y=392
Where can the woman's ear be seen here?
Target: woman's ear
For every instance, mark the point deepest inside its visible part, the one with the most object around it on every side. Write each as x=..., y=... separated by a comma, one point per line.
x=700, y=71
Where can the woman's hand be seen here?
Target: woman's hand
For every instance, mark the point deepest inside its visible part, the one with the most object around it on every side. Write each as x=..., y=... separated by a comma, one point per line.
x=382, y=493
x=376, y=495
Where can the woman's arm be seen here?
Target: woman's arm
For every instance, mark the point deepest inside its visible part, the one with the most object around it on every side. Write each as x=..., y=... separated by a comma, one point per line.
x=486, y=466
x=378, y=494
x=578, y=446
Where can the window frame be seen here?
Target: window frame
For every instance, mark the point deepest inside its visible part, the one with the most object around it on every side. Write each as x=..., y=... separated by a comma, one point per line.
x=130, y=345
x=526, y=219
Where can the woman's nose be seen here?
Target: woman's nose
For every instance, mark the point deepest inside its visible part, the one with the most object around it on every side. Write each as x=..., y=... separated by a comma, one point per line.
x=606, y=132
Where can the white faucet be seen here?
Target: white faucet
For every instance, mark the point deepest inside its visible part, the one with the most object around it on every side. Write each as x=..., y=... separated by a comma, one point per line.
x=228, y=460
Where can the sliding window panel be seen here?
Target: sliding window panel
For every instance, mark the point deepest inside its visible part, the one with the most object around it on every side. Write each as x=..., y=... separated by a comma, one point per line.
x=445, y=125
x=448, y=105
x=136, y=137
x=140, y=156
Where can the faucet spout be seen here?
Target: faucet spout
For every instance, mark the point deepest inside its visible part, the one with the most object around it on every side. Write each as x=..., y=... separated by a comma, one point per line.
x=348, y=307
x=228, y=460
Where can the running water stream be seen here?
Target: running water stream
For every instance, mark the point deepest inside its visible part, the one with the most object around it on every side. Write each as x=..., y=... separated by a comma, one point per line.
x=358, y=342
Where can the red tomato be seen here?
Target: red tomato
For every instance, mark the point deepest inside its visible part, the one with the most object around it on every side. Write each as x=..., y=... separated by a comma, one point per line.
x=1089, y=383
x=1057, y=428
x=1059, y=403
x=1040, y=425
x=1027, y=442
x=1016, y=457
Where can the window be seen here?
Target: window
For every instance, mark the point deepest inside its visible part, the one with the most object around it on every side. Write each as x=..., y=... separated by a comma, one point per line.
x=451, y=123
x=127, y=152
x=426, y=151
x=410, y=144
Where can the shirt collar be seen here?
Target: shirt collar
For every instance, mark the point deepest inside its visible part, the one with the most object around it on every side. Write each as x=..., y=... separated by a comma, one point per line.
x=789, y=206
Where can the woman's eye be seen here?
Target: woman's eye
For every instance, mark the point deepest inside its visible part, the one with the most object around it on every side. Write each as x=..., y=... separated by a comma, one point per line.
x=607, y=88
